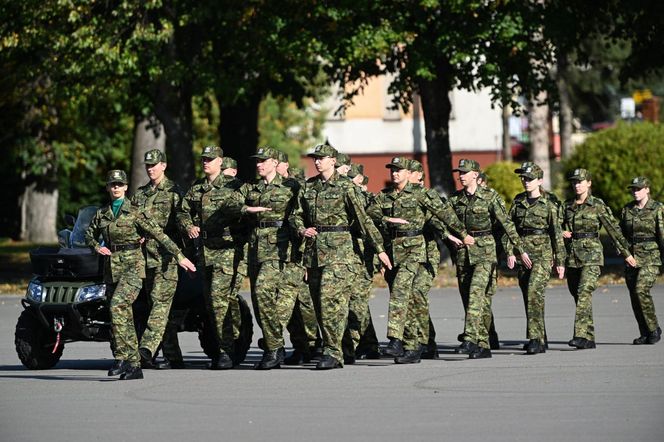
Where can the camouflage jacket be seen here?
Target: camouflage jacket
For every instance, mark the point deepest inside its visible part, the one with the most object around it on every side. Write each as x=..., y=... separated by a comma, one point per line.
x=214, y=208
x=415, y=205
x=586, y=220
x=539, y=227
x=163, y=202
x=481, y=214
x=333, y=204
x=268, y=241
x=126, y=230
x=644, y=231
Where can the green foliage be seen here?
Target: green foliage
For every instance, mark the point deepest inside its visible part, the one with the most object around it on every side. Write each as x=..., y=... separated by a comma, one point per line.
x=615, y=156
x=504, y=181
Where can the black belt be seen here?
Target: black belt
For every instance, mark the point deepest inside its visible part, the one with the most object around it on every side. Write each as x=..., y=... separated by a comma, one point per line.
x=262, y=224
x=580, y=235
x=480, y=233
x=643, y=239
x=527, y=232
x=322, y=229
x=405, y=233
x=123, y=247
x=206, y=235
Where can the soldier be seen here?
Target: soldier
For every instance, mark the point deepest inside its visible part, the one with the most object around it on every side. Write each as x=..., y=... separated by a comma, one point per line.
x=479, y=209
x=229, y=167
x=584, y=216
x=122, y=225
x=536, y=221
x=273, y=201
x=403, y=209
x=208, y=210
x=303, y=325
x=642, y=223
x=160, y=196
x=343, y=164
x=329, y=206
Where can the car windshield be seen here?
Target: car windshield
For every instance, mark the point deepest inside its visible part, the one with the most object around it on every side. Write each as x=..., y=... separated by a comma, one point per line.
x=85, y=215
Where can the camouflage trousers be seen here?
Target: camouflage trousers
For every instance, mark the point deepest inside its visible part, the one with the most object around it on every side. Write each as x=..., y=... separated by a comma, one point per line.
x=124, y=293
x=277, y=288
x=639, y=282
x=401, y=311
x=359, y=314
x=490, y=291
x=330, y=288
x=219, y=286
x=240, y=272
x=533, y=283
x=475, y=286
x=160, y=283
x=582, y=282
x=303, y=324
x=418, y=324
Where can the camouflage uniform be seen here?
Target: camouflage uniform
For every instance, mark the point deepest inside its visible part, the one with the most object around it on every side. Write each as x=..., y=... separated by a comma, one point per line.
x=644, y=231
x=161, y=267
x=407, y=249
x=476, y=264
x=584, y=252
x=125, y=268
x=331, y=207
x=538, y=225
x=214, y=207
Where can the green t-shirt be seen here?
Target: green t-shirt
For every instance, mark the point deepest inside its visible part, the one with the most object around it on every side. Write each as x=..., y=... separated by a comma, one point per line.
x=115, y=206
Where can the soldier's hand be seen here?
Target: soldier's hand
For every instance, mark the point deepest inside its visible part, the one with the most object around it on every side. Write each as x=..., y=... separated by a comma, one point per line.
x=194, y=232
x=187, y=265
x=306, y=275
x=630, y=261
x=397, y=221
x=525, y=259
x=469, y=240
x=567, y=234
x=454, y=240
x=258, y=209
x=511, y=261
x=385, y=260
x=142, y=240
x=104, y=251
x=561, y=272
x=310, y=232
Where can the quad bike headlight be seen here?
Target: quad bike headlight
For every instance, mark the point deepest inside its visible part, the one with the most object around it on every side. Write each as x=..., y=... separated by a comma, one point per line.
x=91, y=292
x=35, y=292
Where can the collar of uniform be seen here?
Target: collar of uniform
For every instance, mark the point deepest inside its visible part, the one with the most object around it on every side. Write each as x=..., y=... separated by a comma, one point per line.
x=219, y=181
x=409, y=187
x=278, y=180
x=126, y=206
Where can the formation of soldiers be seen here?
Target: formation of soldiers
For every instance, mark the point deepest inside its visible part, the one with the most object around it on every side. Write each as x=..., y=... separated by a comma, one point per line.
x=311, y=249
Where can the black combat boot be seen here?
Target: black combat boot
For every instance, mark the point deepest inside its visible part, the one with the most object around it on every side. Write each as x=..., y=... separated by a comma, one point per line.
x=466, y=347
x=583, y=343
x=394, y=348
x=575, y=341
x=480, y=353
x=271, y=359
x=409, y=357
x=118, y=367
x=430, y=351
x=297, y=358
x=167, y=364
x=221, y=362
x=147, y=360
x=132, y=373
x=640, y=340
x=327, y=362
x=368, y=354
x=533, y=347
x=655, y=336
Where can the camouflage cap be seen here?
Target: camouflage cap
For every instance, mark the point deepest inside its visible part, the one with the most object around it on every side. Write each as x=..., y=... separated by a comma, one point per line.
x=415, y=166
x=282, y=157
x=116, y=176
x=398, y=163
x=263, y=153
x=296, y=172
x=639, y=182
x=343, y=159
x=530, y=170
x=322, y=151
x=466, y=165
x=483, y=176
x=365, y=181
x=154, y=156
x=212, y=152
x=355, y=170
x=228, y=163
x=579, y=175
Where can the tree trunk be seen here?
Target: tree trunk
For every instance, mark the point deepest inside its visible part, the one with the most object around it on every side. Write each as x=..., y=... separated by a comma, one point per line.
x=538, y=126
x=173, y=109
x=565, y=108
x=436, y=107
x=39, y=209
x=238, y=134
x=507, y=140
x=148, y=134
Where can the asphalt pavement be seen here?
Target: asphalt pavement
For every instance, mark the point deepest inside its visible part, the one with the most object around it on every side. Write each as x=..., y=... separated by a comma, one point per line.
x=612, y=393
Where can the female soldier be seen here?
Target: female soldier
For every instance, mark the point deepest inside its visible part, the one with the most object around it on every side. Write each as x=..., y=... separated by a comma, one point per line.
x=122, y=226
x=584, y=215
x=536, y=219
x=642, y=223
